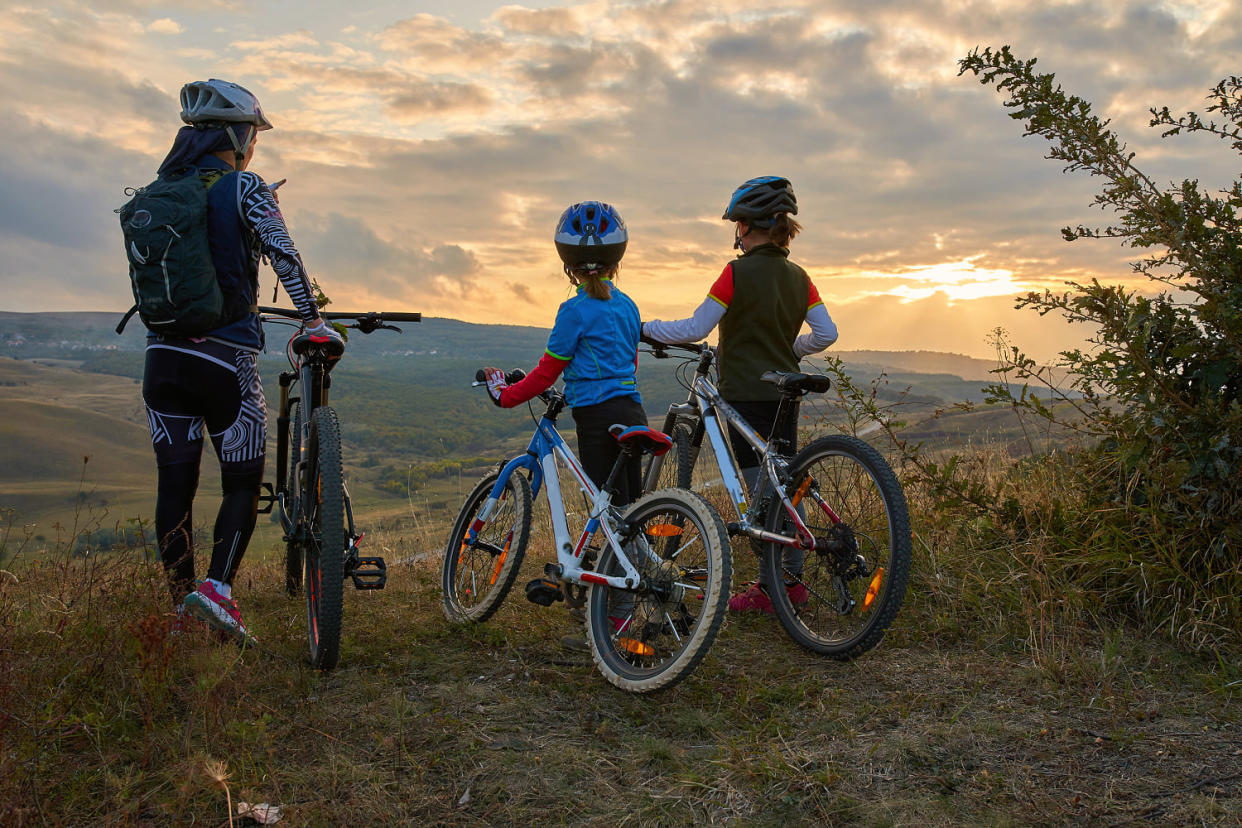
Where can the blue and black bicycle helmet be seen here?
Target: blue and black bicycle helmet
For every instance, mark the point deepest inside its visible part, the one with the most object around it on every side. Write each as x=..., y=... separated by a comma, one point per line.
x=591, y=234
x=759, y=199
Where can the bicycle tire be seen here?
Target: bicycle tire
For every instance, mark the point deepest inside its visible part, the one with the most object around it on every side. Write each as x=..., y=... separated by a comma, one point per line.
x=323, y=499
x=852, y=594
x=293, y=547
x=496, y=555
x=650, y=639
x=676, y=468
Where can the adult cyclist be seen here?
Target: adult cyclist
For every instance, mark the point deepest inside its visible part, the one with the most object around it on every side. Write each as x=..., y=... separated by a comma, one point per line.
x=210, y=384
x=760, y=301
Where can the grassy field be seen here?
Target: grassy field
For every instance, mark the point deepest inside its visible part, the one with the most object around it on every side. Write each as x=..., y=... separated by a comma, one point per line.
x=968, y=712
x=991, y=701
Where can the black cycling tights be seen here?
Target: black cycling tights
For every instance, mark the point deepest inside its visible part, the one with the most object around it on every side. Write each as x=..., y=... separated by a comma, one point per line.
x=174, y=523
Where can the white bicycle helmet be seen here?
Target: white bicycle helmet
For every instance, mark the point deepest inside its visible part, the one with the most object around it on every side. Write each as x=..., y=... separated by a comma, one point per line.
x=217, y=101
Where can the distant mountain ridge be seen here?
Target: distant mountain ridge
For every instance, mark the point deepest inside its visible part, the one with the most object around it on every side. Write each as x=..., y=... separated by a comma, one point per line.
x=62, y=333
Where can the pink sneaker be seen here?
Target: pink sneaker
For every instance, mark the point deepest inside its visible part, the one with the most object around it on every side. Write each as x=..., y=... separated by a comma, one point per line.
x=216, y=611
x=754, y=599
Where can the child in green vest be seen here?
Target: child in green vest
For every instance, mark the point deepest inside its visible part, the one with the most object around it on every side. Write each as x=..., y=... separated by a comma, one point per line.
x=760, y=302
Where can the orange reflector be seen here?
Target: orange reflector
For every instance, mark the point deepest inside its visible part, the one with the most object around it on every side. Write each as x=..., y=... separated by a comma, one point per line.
x=500, y=564
x=873, y=589
x=801, y=493
x=633, y=645
x=663, y=530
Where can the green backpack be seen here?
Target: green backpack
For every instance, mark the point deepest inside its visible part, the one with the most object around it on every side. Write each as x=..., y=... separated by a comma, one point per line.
x=170, y=268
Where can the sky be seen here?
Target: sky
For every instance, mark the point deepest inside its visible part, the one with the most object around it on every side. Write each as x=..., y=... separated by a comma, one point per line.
x=430, y=147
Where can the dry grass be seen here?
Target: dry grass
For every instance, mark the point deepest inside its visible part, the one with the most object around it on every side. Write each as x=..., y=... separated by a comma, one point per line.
x=968, y=712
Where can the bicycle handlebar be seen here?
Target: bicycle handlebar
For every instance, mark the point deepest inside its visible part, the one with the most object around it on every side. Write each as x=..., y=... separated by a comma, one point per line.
x=658, y=346
x=366, y=322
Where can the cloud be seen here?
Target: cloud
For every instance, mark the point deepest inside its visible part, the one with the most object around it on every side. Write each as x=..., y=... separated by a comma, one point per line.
x=420, y=98
x=336, y=244
x=165, y=25
x=428, y=158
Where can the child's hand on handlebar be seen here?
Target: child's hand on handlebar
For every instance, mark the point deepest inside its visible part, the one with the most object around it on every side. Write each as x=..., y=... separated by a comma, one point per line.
x=496, y=383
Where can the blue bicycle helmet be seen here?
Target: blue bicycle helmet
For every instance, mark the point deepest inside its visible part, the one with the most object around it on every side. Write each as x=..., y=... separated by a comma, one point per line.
x=591, y=234
x=759, y=199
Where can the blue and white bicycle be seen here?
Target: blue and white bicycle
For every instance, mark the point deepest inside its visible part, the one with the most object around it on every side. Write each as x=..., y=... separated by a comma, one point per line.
x=655, y=586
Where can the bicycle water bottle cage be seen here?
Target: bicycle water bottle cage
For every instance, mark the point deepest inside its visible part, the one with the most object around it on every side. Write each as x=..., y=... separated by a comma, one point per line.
x=796, y=383
x=641, y=438
x=331, y=346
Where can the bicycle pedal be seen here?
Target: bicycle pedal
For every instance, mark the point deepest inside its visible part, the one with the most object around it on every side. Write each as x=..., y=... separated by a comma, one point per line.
x=369, y=573
x=544, y=592
x=268, y=499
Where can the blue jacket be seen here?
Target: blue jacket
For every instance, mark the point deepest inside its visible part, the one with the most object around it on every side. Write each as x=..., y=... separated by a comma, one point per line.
x=599, y=340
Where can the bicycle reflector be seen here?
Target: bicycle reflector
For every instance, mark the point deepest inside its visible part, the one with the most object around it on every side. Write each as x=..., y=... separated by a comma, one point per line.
x=801, y=493
x=873, y=589
x=663, y=530
x=633, y=645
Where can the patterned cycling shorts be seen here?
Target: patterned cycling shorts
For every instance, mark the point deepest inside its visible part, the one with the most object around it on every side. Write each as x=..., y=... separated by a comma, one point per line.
x=192, y=386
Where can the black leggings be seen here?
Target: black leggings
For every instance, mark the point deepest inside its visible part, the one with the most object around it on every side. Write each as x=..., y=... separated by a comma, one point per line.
x=598, y=450
x=189, y=389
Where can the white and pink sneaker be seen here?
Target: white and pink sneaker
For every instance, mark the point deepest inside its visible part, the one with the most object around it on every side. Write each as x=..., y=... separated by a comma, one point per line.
x=216, y=611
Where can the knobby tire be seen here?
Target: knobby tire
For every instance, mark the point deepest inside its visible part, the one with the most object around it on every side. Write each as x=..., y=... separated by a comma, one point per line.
x=323, y=504
x=856, y=482
x=676, y=466
x=475, y=579
x=649, y=639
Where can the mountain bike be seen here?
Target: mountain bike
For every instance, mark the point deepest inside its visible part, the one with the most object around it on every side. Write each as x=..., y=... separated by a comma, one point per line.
x=655, y=589
x=321, y=540
x=830, y=523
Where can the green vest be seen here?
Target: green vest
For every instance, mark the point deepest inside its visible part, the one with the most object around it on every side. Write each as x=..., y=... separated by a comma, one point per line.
x=770, y=298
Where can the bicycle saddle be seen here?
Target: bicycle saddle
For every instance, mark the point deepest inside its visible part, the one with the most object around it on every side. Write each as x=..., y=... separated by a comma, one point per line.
x=797, y=383
x=304, y=342
x=642, y=438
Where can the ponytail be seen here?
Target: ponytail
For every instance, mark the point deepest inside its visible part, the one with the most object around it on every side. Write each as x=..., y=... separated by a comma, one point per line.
x=596, y=282
x=783, y=229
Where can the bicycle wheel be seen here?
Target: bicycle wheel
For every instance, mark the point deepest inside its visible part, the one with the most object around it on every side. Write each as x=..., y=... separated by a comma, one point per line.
x=323, y=503
x=652, y=637
x=849, y=590
x=676, y=466
x=476, y=578
x=293, y=547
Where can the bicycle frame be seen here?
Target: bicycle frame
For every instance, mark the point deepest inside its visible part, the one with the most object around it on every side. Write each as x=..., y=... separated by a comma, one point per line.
x=706, y=403
x=541, y=462
x=311, y=372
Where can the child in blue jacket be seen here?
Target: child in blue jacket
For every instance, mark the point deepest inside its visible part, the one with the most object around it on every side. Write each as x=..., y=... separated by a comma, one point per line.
x=594, y=343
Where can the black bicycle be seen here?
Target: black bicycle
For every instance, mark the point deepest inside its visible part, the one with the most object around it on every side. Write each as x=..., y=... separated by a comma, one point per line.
x=321, y=540
x=830, y=523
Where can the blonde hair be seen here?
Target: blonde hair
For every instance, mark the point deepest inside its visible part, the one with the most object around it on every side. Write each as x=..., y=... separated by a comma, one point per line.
x=595, y=281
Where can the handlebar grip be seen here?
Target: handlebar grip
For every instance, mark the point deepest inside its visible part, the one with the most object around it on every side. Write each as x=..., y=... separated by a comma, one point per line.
x=646, y=340
x=401, y=317
x=479, y=376
x=515, y=375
